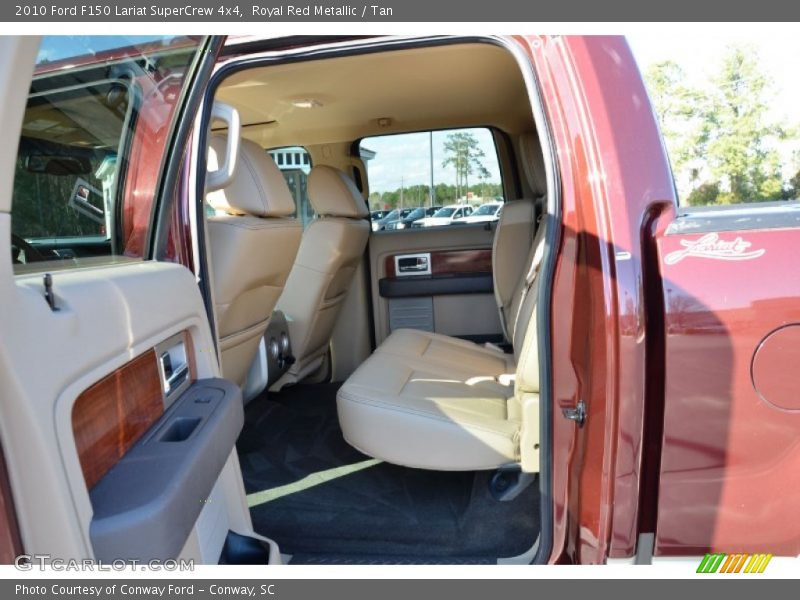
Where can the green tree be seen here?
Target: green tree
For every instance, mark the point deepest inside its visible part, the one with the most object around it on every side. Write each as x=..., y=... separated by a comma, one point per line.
x=792, y=191
x=463, y=152
x=720, y=135
x=737, y=137
x=675, y=105
x=704, y=194
x=445, y=194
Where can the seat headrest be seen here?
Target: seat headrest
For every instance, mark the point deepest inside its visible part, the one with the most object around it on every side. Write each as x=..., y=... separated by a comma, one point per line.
x=333, y=194
x=258, y=187
x=533, y=162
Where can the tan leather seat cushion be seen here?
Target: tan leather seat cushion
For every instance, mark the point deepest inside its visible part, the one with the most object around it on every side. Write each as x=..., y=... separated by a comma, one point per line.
x=448, y=352
x=428, y=401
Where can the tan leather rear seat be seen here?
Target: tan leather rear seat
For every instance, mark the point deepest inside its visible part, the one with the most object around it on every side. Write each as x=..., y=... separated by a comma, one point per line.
x=447, y=352
x=430, y=401
x=421, y=414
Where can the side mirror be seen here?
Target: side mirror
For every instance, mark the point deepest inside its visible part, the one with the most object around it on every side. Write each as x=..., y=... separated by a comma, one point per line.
x=57, y=165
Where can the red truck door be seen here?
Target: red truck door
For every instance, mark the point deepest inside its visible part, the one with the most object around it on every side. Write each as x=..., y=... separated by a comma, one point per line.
x=730, y=460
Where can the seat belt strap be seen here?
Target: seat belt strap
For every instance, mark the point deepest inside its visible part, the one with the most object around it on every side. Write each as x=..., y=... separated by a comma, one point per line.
x=533, y=271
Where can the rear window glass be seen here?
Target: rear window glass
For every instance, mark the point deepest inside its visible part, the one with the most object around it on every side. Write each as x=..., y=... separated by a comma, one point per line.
x=439, y=178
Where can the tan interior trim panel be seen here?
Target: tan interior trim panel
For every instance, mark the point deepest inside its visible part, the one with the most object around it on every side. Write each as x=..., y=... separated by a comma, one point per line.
x=265, y=96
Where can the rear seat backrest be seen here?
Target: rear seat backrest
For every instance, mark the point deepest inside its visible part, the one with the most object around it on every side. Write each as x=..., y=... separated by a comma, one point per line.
x=532, y=159
x=524, y=331
x=526, y=349
x=524, y=297
x=514, y=236
x=524, y=334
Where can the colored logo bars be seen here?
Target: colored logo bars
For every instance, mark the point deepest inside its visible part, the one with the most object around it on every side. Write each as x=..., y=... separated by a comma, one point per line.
x=734, y=563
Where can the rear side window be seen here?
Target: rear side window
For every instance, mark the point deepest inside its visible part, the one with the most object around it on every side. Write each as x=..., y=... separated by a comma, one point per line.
x=295, y=164
x=432, y=179
x=89, y=156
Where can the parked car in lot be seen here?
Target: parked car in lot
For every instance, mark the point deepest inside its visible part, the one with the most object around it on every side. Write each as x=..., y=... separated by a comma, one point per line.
x=390, y=219
x=637, y=398
x=377, y=215
x=485, y=213
x=445, y=216
x=412, y=217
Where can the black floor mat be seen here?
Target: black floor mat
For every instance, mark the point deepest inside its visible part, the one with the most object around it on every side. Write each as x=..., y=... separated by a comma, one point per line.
x=315, y=495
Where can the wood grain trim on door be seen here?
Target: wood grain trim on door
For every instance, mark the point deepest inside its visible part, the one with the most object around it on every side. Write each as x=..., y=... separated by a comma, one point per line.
x=450, y=262
x=10, y=538
x=109, y=417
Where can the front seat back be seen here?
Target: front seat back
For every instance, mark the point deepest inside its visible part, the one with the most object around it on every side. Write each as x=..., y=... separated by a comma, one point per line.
x=253, y=243
x=331, y=249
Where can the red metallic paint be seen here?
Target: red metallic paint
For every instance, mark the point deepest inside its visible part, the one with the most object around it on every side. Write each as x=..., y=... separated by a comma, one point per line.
x=777, y=357
x=730, y=472
x=159, y=101
x=613, y=175
x=179, y=237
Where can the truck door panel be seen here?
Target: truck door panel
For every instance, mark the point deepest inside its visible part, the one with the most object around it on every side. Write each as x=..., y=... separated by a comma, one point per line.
x=730, y=462
x=116, y=430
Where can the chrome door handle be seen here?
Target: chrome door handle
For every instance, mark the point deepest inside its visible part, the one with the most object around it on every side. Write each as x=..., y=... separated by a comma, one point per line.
x=174, y=367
